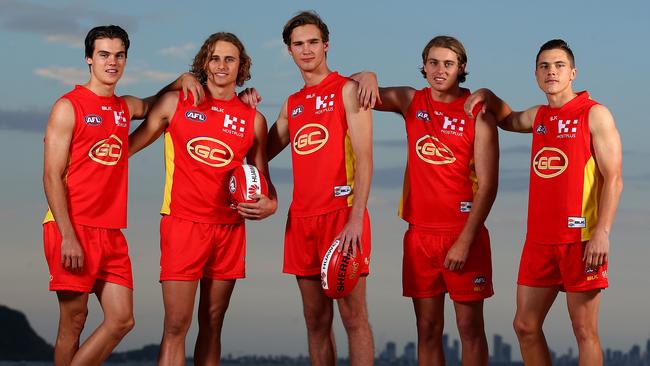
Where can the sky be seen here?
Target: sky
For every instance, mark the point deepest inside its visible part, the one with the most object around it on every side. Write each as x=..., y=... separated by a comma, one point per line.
x=43, y=58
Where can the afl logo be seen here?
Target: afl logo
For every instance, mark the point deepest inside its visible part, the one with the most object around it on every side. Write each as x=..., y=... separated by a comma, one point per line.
x=432, y=151
x=93, y=120
x=195, y=116
x=107, y=151
x=296, y=111
x=210, y=151
x=550, y=162
x=310, y=138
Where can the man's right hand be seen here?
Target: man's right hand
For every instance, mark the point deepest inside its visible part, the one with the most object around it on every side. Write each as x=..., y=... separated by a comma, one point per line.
x=479, y=96
x=368, y=92
x=190, y=84
x=72, y=255
x=250, y=97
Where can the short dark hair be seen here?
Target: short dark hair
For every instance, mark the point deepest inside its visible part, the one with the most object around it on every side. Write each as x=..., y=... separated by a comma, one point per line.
x=203, y=57
x=304, y=18
x=105, y=31
x=449, y=43
x=558, y=44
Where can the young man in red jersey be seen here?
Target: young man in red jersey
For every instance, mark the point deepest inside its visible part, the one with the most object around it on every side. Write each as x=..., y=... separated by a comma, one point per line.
x=450, y=185
x=331, y=147
x=85, y=181
x=203, y=240
x=575, y=186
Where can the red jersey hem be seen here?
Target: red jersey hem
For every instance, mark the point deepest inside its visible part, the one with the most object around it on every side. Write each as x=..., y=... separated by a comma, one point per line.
x=202, y=220
x=64, y=287
x=293, y=213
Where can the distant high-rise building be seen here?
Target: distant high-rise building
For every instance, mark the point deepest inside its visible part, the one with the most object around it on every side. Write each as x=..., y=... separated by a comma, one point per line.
x=390, y=353
x=497, y=348
x=409, y=353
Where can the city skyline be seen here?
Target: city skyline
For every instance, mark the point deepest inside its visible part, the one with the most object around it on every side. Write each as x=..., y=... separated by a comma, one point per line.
x=44, y=59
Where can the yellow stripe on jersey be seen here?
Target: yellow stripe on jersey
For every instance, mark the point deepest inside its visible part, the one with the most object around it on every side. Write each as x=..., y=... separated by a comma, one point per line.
x=48, y=216
x=350, y=161
x=406, y=186
x=472, y=176
x=169, y=174
x=592, y=187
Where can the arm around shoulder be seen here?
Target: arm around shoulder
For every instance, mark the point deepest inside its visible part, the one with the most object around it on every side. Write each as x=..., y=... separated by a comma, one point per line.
x=156, y=122
x=278, y=135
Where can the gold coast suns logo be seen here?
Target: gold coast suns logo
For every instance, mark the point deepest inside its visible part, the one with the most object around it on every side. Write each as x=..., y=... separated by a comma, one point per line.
x=210, y=151
x=550, y=162
x=310, y=138
x=107, y=151
x=433, y=151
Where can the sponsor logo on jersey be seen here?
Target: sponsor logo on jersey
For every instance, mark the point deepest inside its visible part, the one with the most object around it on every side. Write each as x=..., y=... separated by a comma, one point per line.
x=233, y=125
x=591, y=269
x=232, y=185
x=107, y=108
x=423, y=116
x=340, y=191
x=566, y=129
x=216, y=109
x=465, y=206
x=453, y=126
x=120, y=120
x=576, y=222
x=93, y=120
x=479, y=283
x=310, y=138
x=196, y=116
x=550, y=162
x=324, y=103
x=210, y=151
x=107, y=151
x=541, y=129
x=296, y=111
x=433, y=151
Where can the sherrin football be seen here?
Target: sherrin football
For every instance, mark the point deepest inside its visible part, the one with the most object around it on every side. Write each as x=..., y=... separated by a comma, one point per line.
x=245, y=181
x=339, y=272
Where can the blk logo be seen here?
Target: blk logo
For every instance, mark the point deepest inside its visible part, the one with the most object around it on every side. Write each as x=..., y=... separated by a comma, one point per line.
x=234, y=123
x=324, y=101
x=120, y=120
x=565, y=126
x=453, y=124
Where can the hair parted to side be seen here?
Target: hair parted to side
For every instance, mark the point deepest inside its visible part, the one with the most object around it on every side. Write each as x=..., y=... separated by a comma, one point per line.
x=304, y=18
x=557, y=44
x=105, y=31
x=200, y=63
x=452, y=44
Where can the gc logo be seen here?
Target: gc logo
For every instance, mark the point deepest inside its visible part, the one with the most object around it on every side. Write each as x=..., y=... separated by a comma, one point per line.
x=550, y=162
x=432, y=151
x=107, y=151
x=210, y=151
x=310, y=138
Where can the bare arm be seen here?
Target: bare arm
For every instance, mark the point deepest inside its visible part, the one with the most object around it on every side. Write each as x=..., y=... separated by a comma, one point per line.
x=392, y=99
x=486, y=162
x=155, y=124
x=608, y=155
x=188, y=83
x=265, y=206
x=278, y=134
x=506, y=118
x=58, y=137
x=360, y=131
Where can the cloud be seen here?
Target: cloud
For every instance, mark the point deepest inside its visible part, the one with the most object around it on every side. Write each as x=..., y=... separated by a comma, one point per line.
x=182, y=51
x=278, y=46
x=24, y=120
x=66, y=24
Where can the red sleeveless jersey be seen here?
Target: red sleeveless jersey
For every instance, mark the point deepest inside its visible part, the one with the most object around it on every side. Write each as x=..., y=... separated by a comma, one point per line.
x=96, y=178
x=203, y=144
x=439, y=181
x=321, y=151
x=565, y=183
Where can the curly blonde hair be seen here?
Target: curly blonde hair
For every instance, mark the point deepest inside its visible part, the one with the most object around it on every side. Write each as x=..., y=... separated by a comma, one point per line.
x=200, y=63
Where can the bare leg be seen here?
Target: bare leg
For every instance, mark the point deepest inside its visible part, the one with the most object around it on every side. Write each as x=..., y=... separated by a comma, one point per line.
x=471, y=327
x=178, y=297
x=213, y=303
x=73, y=309
x=429, y=315
x=117, y=304
x=583, y=310
x=354, y=314
x=533, y=303
x=318, y=311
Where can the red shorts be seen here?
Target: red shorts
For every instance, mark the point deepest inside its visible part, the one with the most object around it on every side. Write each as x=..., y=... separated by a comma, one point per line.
x=307, y=239
x=106, y=258
x=424, y=274
x=547, y=265
x=192, y=250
